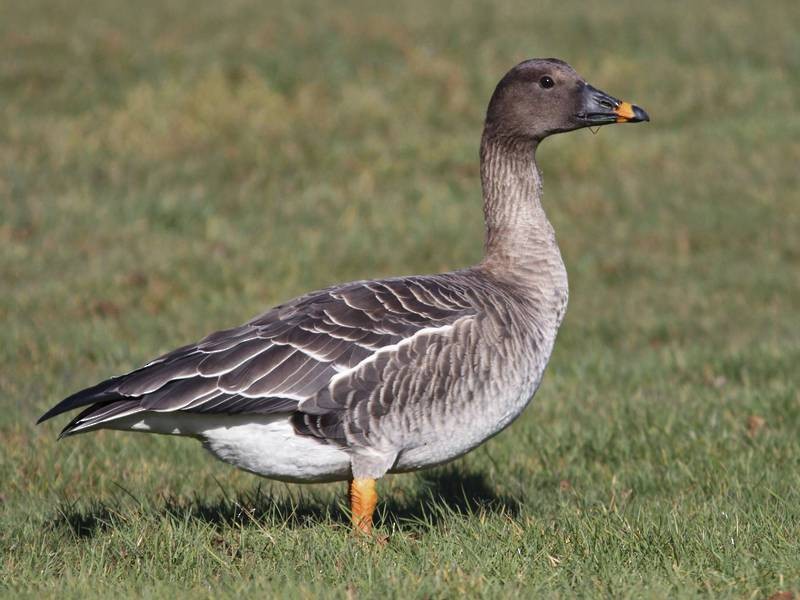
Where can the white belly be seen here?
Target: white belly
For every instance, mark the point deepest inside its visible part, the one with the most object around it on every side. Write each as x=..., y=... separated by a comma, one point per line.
x=266, y=445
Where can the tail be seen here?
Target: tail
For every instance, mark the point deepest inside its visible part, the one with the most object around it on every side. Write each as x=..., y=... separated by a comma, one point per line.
x=104, y=404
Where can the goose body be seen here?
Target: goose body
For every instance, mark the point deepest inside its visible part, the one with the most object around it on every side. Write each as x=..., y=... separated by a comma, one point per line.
x=393, y=375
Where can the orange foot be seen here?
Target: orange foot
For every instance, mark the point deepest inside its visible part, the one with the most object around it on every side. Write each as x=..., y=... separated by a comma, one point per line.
x=363, y=499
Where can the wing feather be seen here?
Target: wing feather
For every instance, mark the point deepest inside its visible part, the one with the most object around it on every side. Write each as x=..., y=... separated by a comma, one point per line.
x=219, y=363
x=258, y=367
x=281, y=360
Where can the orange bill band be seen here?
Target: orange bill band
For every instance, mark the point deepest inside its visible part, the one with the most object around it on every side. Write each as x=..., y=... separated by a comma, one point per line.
x=624, y=112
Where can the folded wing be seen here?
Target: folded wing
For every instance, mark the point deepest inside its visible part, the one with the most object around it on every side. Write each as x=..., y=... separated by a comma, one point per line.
x=278, y=360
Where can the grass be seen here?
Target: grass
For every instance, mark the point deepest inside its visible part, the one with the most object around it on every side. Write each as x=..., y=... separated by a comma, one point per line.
x=167, y=169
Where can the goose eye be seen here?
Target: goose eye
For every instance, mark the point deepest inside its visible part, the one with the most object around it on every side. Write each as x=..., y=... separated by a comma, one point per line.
x=546, y=82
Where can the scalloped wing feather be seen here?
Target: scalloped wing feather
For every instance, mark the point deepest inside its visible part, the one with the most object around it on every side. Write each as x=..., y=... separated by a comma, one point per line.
x=283, y=360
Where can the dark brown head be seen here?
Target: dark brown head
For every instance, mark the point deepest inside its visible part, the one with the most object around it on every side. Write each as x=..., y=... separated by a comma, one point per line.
x=543, y=96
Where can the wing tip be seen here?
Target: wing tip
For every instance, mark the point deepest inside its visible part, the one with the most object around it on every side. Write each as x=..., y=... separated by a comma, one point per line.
x=60, y=408
x=90, y=395
x=54, y=412
x=70, y=429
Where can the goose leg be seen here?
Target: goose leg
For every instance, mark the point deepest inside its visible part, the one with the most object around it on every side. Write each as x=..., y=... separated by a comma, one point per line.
x=363, y=499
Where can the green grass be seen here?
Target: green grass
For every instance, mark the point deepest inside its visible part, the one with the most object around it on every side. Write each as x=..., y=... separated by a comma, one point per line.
x=167, y=169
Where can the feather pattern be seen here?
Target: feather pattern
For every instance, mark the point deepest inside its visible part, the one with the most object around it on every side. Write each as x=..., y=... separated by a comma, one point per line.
x=280, y=359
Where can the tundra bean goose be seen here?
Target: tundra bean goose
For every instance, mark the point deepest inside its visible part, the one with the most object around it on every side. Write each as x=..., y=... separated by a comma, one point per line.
x=370, y=377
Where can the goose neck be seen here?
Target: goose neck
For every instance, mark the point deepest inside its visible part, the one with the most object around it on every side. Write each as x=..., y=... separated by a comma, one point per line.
x=518, y=235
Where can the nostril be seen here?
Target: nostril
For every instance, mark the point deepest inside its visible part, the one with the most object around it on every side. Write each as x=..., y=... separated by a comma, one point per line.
x=605, y=102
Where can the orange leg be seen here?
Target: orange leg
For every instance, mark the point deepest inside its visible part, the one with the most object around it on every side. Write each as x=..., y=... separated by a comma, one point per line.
x=363, y=499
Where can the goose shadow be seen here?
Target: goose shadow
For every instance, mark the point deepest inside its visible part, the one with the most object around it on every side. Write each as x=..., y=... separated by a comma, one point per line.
x=83, y=523
x=439, y=494
x=445, y=492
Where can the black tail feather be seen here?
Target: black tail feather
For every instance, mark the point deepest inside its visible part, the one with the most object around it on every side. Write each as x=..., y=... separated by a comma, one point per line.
x=96, y=393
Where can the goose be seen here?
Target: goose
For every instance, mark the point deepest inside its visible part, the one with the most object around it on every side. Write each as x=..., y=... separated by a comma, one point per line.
x=371, y=377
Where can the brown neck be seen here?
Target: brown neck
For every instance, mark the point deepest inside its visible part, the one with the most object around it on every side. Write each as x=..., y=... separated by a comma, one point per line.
x=519, y=239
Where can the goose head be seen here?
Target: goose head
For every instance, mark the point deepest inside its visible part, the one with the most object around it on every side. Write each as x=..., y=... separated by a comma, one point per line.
x=543, y=96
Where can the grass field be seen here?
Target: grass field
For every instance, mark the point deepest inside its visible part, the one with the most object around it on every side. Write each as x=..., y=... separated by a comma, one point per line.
x=168, y=169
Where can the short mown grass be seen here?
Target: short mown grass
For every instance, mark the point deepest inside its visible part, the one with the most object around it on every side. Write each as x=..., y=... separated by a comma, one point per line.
x=168, y=169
